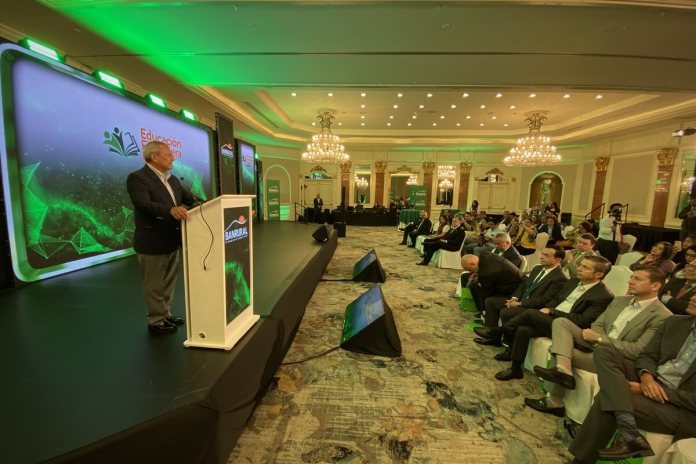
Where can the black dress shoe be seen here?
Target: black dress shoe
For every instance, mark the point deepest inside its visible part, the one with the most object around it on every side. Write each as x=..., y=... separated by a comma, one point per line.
x=484, y=332
x=175, y=320
x=555, y=376
x=509, y=374
x=624, y=449
x=402, y=243
x=412, y=246
x=422, y=263
x=161, y=328
x=488, y=342
x=504, y=356
x=541, y=406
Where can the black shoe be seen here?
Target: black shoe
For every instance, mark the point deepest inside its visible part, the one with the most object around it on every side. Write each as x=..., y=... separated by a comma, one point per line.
x=161, y=328
x=509, y=374
x=402, y=243
x=540, y=404
x=488, y=342
x=504, y=356
x=412, y=246
x=422, y=263
x=174, y=320
x=624, y=449
x=555, y=376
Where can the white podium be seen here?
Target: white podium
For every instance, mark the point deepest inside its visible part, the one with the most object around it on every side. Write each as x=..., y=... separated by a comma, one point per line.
x=218, y=272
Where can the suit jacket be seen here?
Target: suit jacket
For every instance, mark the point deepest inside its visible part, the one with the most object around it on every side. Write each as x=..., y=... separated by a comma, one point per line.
x=545, y=291
x=455, y=239
x=637, y=332
x=156, y=231
x=663, y=347
x=512, y=255
x=677, y=305
x=424, y=227
x=318, y=203
x=497, y=275
x=587, y=308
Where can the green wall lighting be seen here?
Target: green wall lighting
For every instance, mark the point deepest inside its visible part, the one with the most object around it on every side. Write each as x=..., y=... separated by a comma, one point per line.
x=40, y=48
x=155, y=100
x=108, y=78
x=187, y=114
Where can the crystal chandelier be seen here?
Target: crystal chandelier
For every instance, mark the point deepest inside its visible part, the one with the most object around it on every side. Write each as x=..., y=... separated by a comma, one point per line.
x=361, y=182
x=445, y=184
x=445, y=171
x=412, y=180
x=534, y=149
x=325, y=147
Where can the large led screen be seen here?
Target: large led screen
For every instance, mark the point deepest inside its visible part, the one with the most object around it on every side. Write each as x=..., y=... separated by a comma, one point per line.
x=68, y=145
x=247, y=171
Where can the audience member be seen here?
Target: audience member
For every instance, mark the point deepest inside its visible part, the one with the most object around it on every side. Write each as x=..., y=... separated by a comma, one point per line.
x=495, y=276
x=658, y=257
x=504, y=248
x=442, y=232
x=413, y=230
x=553, y=228
x=688, y=217
x=609, y=228
x=584, y=246
x=524, y=242
x=678, y=291
x=452, y=243
x=628, y=324
x=469, y=223
x=684, y=257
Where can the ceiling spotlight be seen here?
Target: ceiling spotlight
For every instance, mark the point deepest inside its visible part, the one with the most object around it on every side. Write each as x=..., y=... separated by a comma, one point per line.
x=599, y=97
x=294, y=94
x=453, y=106
x=684, y=132
x=399, y=95
x=468, y=116
x=494, y=117
x=498, y=95
x=362, y=106
x=505, y=125
x=362, y=123
x=465, y=95
x=362, y=116
x=429, y=95
x=566, y=95
x=442, y=116
x=459, y=124
x=396, y=106
x=414, y=116
x=363, y=94
x=330, y=94
x=482, y=124
x=483, y=107
x=434, y=124
x=391, y=116
x=421, y=106
x=409, y=124
x=512, y=107
x=532, y=95
x=388, y=124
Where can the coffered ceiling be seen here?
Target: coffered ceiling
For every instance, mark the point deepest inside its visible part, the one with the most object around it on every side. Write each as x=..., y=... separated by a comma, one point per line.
x=400, y=74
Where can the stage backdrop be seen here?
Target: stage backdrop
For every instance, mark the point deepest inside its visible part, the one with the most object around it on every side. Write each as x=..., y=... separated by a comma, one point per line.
x=68, y=144
x=417, y=196
x=273, y=196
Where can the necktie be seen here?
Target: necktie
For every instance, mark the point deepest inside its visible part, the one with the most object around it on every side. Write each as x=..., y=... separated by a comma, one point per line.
x=533, y=285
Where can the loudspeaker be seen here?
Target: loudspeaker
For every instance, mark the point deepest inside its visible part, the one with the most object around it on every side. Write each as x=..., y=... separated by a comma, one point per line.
x=368, y=269
x=321, y=235
x=608, y=248
x=340, y=228
x=369, y=326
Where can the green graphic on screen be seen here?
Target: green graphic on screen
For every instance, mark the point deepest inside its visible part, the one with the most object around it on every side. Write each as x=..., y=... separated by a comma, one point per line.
x=237, y=261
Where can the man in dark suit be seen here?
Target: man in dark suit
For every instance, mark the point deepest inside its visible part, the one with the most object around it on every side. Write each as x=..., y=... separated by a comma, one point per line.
x=157, y=198
x=536, y=291
x=581, y=300
x=677, y=293
x=504, y=248
x=495, y=276
x=453, y=243
x=413, y=230
x=657, y=393
x=318, y=205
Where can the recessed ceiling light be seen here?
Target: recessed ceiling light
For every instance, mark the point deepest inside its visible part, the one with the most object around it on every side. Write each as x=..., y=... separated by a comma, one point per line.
x=459, y=124
x=512, y=107
x=465, y=95
x=362, y=123
x=362, y=116
x=414, y=116
x=314, y=123
x=421, y=106
x=340, y=123
x=442, y=116
x=482, y=124
x=505, y=125
x=399, y=95
x=388, y=124
x=453, y=106
x=294, y=94
x=330, y=94
x=409, y=124
x=468, y=116
x=566, y=95
x=434, y=124
x=363, y=94
x=362, y=106
x=429, y=95
x=532, y=95
x=483, y=107
x=599, y=97
x=494, y=117
x=498, y=95
x=391, y=117
x=396, y=106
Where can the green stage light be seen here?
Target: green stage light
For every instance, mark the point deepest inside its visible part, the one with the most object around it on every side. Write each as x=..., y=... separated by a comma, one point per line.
x=187, y=114
x=40, y=48
x=155, y=100
x=108, y=78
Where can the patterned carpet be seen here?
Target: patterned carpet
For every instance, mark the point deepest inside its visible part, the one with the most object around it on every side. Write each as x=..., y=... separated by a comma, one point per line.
x=438, y=403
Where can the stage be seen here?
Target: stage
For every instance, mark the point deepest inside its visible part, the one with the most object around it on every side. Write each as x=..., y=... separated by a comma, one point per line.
x=84, y=380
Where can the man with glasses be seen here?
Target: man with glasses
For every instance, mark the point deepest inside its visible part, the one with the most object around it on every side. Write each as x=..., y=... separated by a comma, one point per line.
x=677, y=293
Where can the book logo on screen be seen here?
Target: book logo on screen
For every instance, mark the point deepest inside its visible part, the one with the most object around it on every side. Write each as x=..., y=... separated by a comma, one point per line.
x=121, y=143
x=237, y=230
x=227, y=150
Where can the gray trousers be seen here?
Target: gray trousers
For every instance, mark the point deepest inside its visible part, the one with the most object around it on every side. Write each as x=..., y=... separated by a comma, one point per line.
x=565, y=336
x=159, y=273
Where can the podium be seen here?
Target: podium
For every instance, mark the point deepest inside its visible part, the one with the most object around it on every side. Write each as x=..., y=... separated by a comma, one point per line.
x=218, y=272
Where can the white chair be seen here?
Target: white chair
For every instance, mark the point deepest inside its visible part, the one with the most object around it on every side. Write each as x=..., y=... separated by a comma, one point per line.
x=523, y=264
x=541, y=240
x=680, y=452
x=629, y=258
x=617, y=280
x=631, y=240
x=448, y=259
x=419, y=243
x=567, y=230
x=537, y=353
x=579, y=401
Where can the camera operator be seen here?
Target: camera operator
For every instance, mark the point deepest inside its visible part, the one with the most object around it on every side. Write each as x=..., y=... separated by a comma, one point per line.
x=610, y=225
x=688, y=217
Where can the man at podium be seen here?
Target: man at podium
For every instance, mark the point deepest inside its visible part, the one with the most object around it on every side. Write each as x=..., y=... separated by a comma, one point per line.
x=157, y=198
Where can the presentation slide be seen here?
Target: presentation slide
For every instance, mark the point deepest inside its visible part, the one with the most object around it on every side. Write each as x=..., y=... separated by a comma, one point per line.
x=247, y=172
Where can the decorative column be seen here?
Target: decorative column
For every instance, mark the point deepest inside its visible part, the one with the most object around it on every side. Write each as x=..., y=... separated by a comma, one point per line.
x=665, y=163
x=345, y=182
x=601, y=165
x=380, y=167
x=464, y=174
x=428, y=168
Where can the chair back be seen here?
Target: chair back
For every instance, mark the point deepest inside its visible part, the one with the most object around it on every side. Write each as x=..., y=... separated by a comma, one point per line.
x=617, y=279
x=631, y=240
x=523, y=264
x=627, y=259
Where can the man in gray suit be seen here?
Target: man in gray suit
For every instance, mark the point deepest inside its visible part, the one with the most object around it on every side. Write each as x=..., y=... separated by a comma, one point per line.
x=584, y=247
x=657, y=393
x=627, y=324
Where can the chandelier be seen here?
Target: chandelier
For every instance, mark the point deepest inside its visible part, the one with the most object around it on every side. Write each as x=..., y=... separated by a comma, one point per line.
x=446, y=171
x=412, y=180
x=445, y=184
x=361, y=182
x=534, y=149
x=325, y=147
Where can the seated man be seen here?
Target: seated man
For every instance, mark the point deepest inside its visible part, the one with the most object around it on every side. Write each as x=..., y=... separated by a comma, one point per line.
x=536, y=291
x=413, y=230
x=452, y=243
x=504, y=248
x=580, y=300
x=584, y=246
x=487, y=239
x=469, y=224
x=657, y=393
x=494, y=276
x=677, y=293
x=628, y=324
